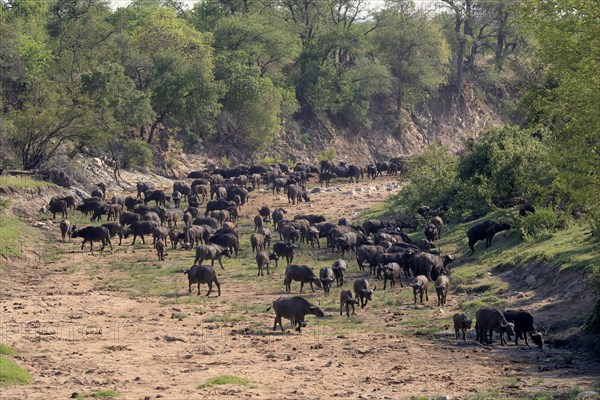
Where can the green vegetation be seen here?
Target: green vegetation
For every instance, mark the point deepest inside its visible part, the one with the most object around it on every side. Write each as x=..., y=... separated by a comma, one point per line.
x=224, y=380
x=10, y=372
x=136, y=153
x=10, y=231
x=327, y=155
x=6, y=351
x=21, y=182
x=157, y=69
x=100, y=394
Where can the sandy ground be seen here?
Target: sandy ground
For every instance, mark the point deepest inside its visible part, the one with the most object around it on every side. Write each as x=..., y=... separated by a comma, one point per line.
x=78, y=334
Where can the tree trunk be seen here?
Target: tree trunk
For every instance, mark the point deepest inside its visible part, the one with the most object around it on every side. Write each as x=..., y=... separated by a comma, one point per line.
x=153, y=130
x=500, y=39
x=460, y=62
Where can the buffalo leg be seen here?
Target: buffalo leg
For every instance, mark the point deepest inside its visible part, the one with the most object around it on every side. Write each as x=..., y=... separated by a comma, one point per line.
x=218, y=286
x=198, y=289
x=220, y=262
x=209, y=288
x=471, y=246
x=301, y=286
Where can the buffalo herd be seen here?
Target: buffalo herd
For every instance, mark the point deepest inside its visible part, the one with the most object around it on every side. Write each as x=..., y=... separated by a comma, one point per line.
x=382, y=245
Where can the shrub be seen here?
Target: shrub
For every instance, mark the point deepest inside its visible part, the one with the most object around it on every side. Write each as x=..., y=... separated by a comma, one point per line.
x=267, y=160
x=433, y=181
x=136, y=153
x=543, y=223
x=503, y=165
x=327, y=155
x=507, y=163
x=225, y=162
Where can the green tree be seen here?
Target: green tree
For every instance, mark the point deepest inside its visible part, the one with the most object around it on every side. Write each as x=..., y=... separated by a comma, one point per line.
x=183, y=87
x=415, y=50
x=47, y=120
x=567, y=100
x=509, y=163
x=267, y=42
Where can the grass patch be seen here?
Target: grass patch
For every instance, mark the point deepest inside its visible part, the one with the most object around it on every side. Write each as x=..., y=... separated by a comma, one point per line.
x=10, y=233
x=6, y=351
x=224, y=380
x=100, y=394
x=222, y=319
x=489, y=395
x=21, y=182
x=12, y=374
x=488, y=300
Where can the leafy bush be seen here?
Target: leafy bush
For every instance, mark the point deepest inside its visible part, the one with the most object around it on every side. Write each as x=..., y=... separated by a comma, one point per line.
x=433, y=181
x=543, y=223
x=327, y=155
x=225, y=162
x=267, y=160
x=136, y=153
x=505, y=165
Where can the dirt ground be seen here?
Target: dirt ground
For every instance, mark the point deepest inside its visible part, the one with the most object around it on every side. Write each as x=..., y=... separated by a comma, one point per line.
x=81, y=325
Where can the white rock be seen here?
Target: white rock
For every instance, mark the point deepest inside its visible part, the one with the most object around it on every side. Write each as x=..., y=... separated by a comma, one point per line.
x=530, y=280
x=444, y=398
x=315, y=190
x=349, y=193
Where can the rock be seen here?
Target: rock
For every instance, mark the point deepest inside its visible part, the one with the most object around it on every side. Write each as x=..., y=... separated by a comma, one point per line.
x=506, y=274
x=172, y=339
x=587, y=395
x=79, y=193
x=444, y=398
x=530, y=280
x=349, y=193
x=315, y=190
